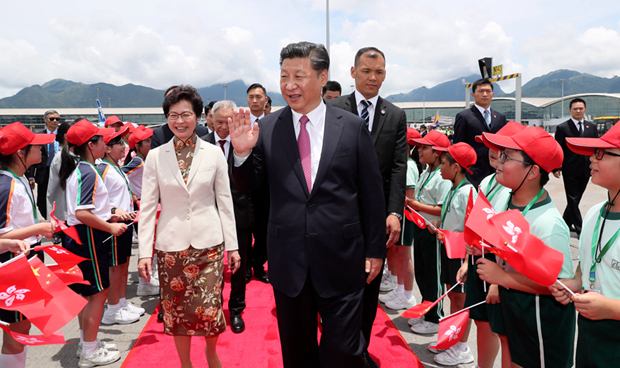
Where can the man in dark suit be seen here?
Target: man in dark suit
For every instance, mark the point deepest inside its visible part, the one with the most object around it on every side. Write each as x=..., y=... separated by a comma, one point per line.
x=40, y=172
x=326, y=234
x=474, y=121
x=387, y=125
x=575, y=168
x=163, y=134
x=222, y=111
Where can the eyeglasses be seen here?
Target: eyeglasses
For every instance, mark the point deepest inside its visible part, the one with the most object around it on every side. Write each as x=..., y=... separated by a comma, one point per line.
x=53, y=119
x=503, y=157
x=185, y=116
x=599, y=153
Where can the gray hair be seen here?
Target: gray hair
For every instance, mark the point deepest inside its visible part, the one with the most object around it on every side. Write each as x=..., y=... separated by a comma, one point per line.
x=319, y=57
x=224, y=104
x=49, y=112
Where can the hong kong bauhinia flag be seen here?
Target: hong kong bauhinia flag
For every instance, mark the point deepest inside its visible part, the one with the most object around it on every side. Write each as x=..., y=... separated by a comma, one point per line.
x=477, y=225
x=36, y=340
x=69, y=231
x=64, y=258
x=454, y=243
x=415, y=217
x=19, y=288
x=451, y=330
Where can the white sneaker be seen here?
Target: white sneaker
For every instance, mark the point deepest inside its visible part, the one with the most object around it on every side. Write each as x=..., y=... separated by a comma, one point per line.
x=425, y=327
x=122, y=317
x=100, y=344
x=454, y=356
x=401, y=302
x=133, y=309
x=435, y=351
x=134, y=239
x=389, y=296
x=415, y=321
x=388, y=285
x=100, y=357
x=148, y=290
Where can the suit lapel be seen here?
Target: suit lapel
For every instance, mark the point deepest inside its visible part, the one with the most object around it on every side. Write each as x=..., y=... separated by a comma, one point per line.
x=196, y=160
x=332, y=132
x=352, y=103
x=378, y=120
x=574, y=132
x=170, y=157
x=286, y=135
x=478, y=115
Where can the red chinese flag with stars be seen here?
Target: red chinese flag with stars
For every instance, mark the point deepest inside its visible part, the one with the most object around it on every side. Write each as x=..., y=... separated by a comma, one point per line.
x=64, y=258
x=65, y=305
x=454, y=243
x=415, y=217
x=71, y=276
x=451, y=330
x=69, y=231
x=36, y=340
x=19, y=288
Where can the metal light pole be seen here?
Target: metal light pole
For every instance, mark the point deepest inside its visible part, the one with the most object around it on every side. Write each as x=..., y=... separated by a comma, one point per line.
x=562, y=97
x=226, y=85
x=423, y=104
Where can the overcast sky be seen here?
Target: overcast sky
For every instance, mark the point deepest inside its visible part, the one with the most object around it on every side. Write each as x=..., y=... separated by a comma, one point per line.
x=160, y=43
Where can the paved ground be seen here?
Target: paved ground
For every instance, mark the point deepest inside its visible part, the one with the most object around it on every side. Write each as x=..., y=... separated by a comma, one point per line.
x=125, y=336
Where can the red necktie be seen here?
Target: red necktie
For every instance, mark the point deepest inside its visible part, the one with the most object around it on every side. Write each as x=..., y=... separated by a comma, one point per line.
x=222, y=141
x=303, y=142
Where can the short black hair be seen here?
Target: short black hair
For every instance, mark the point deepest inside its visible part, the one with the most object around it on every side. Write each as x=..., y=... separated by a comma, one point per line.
x=62, y=130
x=316, y=52
x=269, y=100
x=575, y=100
x=208, y=107
x=480, y=82
x=373, y=54
x=256, y=85
x=544, y=176
x=452, y=161
x=332, y=86
x=168, y=90
x=187, y=93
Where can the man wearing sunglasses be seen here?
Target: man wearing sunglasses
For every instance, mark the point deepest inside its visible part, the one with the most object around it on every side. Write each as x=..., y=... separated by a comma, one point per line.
x=39, y=173
x=575, y=168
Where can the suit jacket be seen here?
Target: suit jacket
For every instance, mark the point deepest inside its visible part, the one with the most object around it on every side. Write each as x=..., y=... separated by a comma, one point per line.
x=327, y=233
x=241, y=201
x=468, y=124
x=574, y=164
x=389, y=136
x=199, y=213
x=39, y=171
x=163, y=134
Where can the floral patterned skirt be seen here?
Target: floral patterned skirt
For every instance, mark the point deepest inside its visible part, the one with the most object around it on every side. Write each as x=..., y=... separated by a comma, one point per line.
x=191, y=291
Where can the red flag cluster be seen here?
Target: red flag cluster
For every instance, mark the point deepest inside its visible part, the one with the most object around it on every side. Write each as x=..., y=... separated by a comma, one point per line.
x=69, y=231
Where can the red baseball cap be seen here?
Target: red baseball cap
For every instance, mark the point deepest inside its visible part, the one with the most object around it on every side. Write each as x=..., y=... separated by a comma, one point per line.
x=539, y=145
x=82, y=131
x=107, y=138
x=432, y=138
x=141, y=127
x=586, y=146
x=138, y=136
x=412, y=133
x=15, y=136
x=130, y=127
x=511, y=128
x=462, y=153
x=112, y=120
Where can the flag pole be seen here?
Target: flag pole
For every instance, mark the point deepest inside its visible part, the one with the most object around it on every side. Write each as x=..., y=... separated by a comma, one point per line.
x=4, y=324
x=464, y=309
x=425, y=220
x=12, y=260
x=565, y=287
x=485, y=283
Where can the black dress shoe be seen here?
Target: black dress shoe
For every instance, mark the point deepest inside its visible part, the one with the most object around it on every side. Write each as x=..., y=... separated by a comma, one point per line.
x=368, y=361
x=160, y=317
x=262, y=276
x=248, y=275
x=236, y=323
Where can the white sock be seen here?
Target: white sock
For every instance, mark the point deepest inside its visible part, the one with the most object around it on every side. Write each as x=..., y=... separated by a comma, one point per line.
x=408, y=294
x=89, y=347
x=400, y=288
x=461, y=346
x=13, y=360
x=81, y=336
x=388, y=273
x=113, y=308
x=122, y=302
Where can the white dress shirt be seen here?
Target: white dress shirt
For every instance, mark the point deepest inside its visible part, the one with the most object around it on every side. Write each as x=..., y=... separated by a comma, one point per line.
x=576, y=122
x=226, y=144
x=316, y=131
x=481, y=109
x=254, y=118
x=371, y=108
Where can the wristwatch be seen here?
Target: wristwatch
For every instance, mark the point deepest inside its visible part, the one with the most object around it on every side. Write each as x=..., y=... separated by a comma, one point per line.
x=400, y=217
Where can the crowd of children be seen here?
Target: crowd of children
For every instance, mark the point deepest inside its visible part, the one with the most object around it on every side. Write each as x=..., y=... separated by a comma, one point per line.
x=534, y=325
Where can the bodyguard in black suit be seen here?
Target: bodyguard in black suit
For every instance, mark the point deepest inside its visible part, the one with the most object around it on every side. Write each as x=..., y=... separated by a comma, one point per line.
x=388, y=131
x=575, y=168
x=472, y=122
x=326, y=233
x=40, y=172
x=222, y=111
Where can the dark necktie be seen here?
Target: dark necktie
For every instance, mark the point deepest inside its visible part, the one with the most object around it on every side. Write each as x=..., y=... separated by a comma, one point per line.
x=303, y=142
x=364, y=115
x=580, y=129
x=222, y=142
x=487, y=117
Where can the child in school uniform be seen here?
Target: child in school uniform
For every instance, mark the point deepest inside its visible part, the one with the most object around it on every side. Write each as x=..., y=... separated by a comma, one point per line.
x=597, y=279
x=540, y=331
x=489, y=316
x=402, y=297
x=19, y=219
x=429, y=195
x=89, y=210
x=119, y=311
x=455, y=160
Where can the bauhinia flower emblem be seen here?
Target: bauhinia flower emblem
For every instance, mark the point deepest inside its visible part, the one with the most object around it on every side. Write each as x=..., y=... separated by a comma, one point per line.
x=453, y=332
x=11, y=294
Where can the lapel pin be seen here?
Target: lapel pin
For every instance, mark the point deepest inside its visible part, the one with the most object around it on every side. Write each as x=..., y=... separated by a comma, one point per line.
x=494, y=116
x=382, y=112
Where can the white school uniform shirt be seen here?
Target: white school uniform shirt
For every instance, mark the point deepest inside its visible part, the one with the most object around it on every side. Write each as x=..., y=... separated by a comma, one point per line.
x=117, y=184
x=16, y=207
x=134, y=170
x=87, y=191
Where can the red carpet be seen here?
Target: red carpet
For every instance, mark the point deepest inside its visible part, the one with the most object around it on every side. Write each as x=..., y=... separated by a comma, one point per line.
x=259, y=345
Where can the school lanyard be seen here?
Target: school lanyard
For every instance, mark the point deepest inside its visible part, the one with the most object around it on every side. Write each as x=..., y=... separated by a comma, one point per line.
x=608, y=245
x=430, y=176
x=489, y=188
x=527, y=208
x=121, y=174
x=34, y=207
x=446, y=206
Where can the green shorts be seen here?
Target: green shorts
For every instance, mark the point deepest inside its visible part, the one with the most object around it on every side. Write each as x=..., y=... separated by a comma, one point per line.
x=407, y=234
x=474, y=288
x=597, y=343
